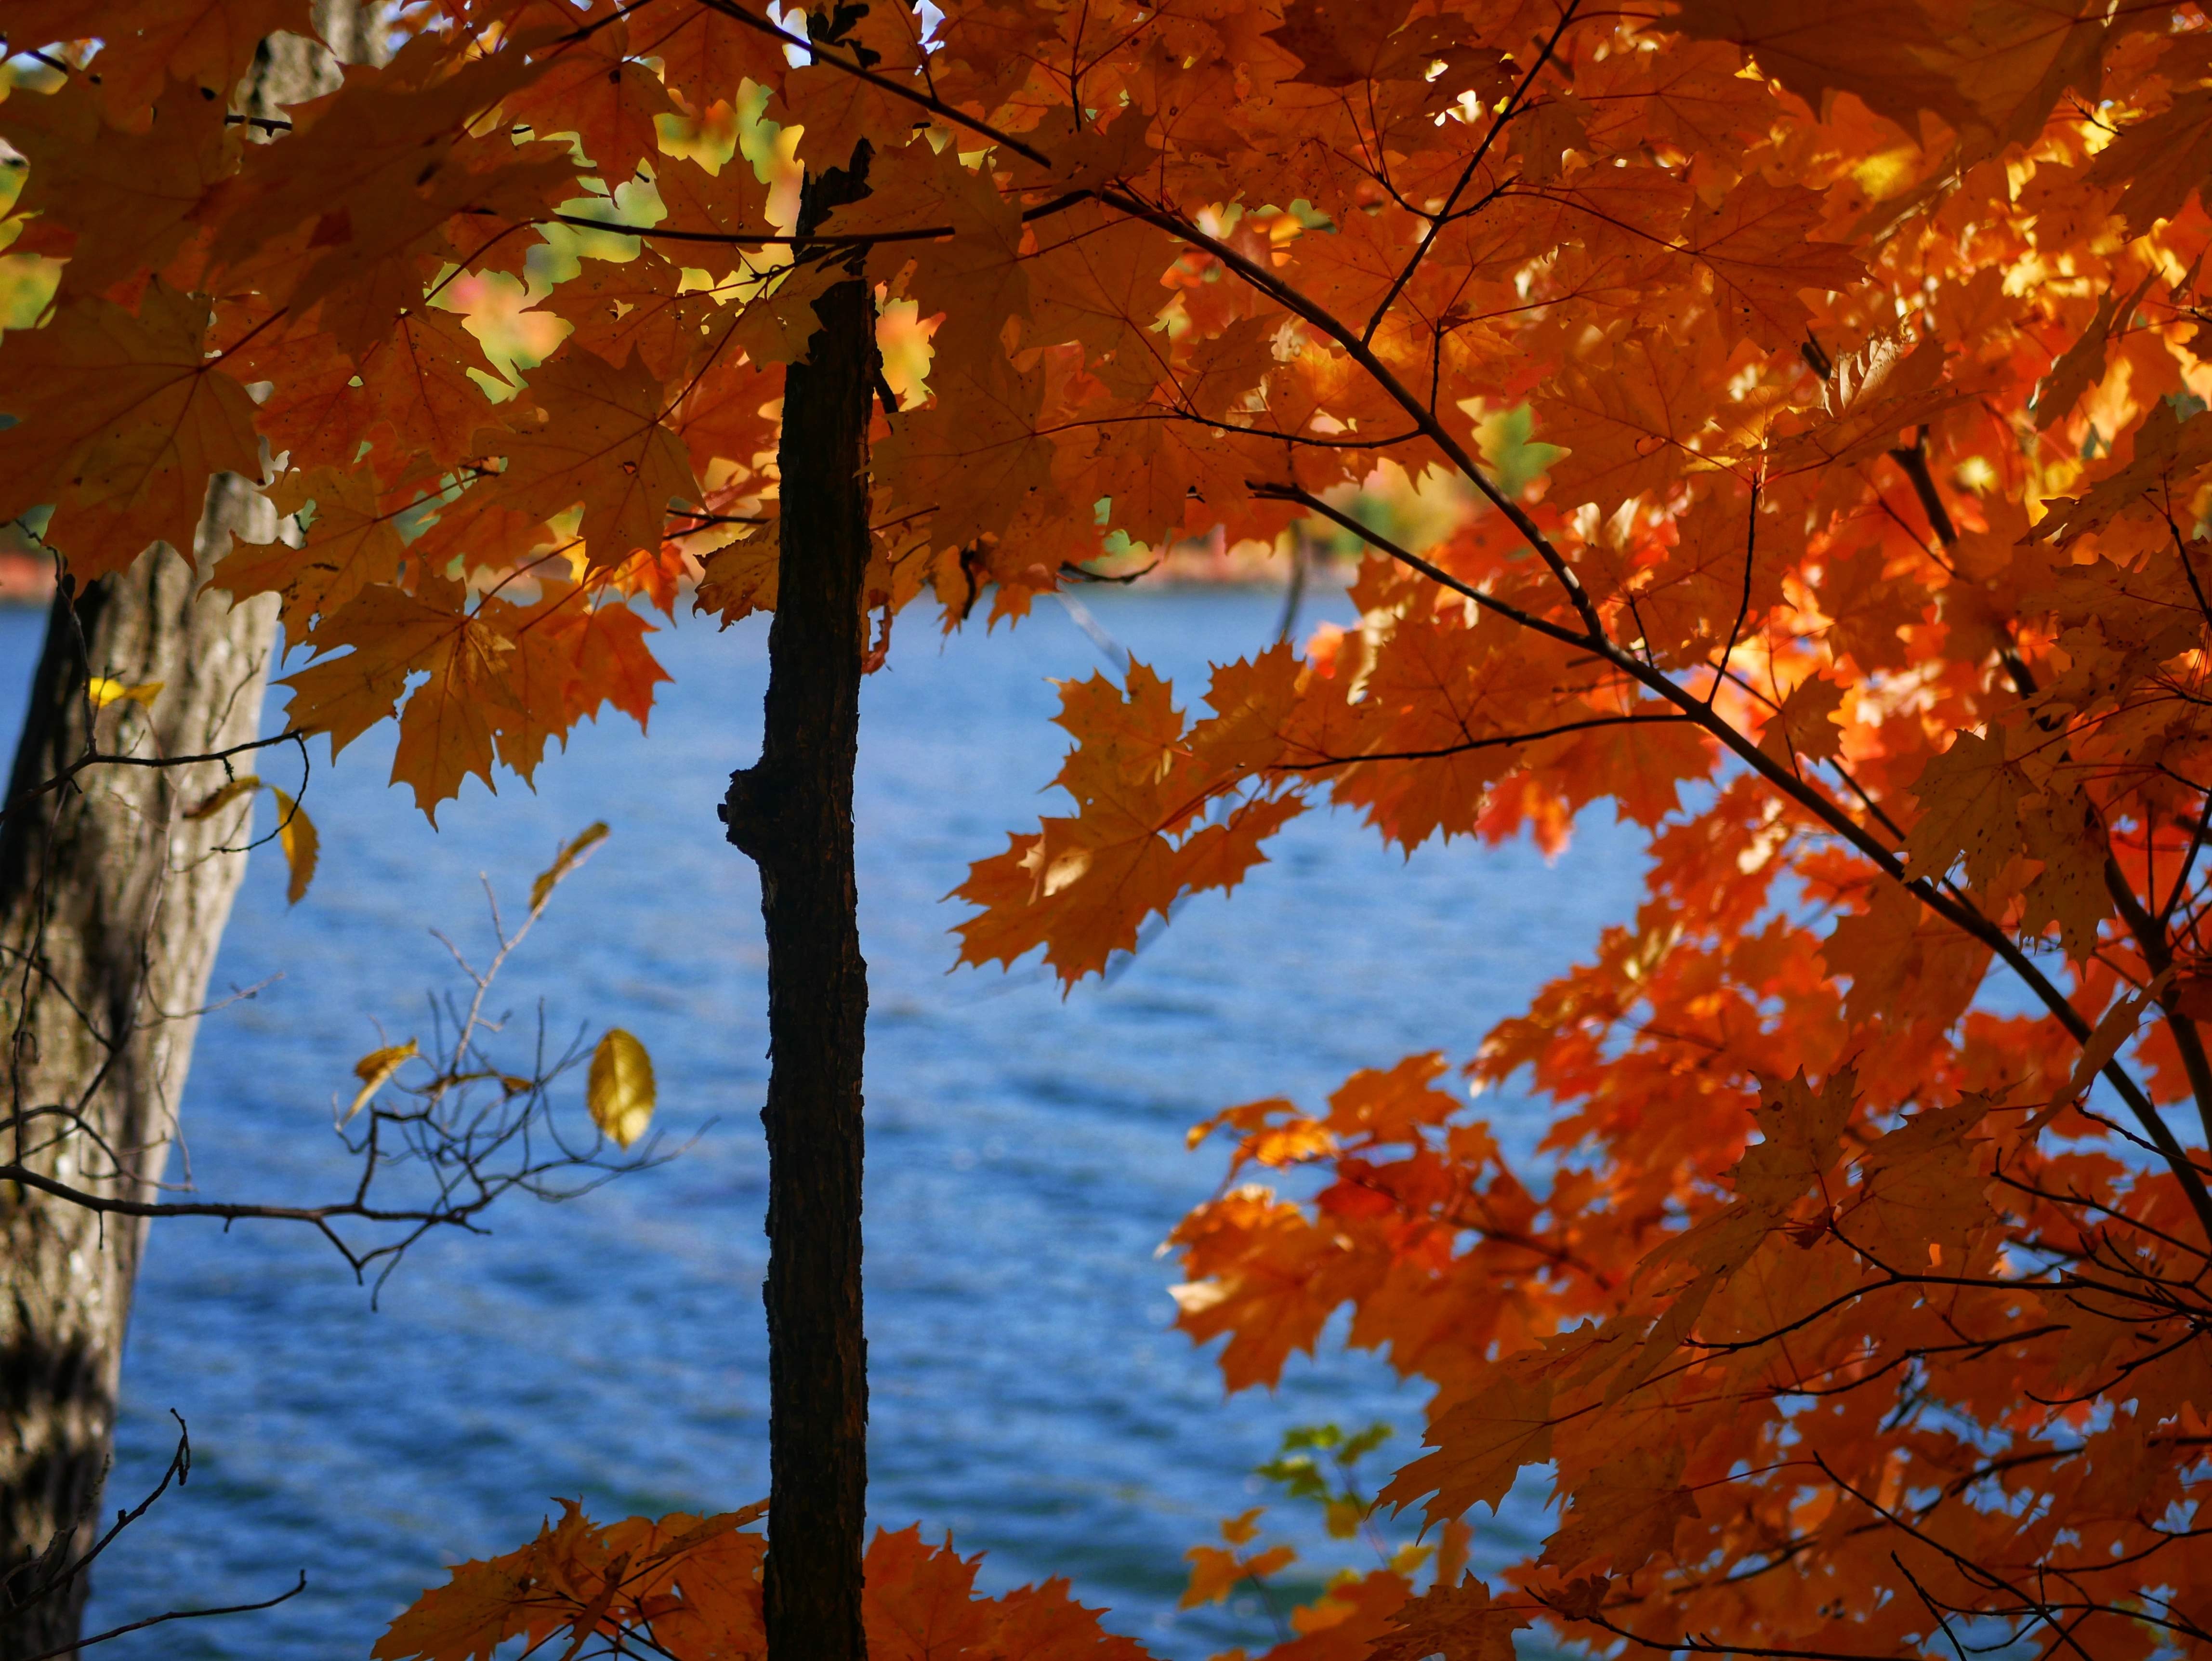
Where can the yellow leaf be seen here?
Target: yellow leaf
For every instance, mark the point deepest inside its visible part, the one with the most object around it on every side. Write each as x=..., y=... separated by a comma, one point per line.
x=295, y=834
x=103, y=691
x=1343, y=1518
x=619, y=1091
x=1216, y=1572
x=565, y=861
x=1409, y=1557
x=230, y=792
x=373, y=1068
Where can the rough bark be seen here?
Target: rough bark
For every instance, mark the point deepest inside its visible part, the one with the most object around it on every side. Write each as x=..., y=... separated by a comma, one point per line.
x=792, y=814
x=113, y=905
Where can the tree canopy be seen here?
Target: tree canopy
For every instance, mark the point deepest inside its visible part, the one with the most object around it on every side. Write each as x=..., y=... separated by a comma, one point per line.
x=1858, y=1308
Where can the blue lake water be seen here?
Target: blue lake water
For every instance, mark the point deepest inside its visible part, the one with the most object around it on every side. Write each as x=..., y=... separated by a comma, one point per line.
x=1026, y=1158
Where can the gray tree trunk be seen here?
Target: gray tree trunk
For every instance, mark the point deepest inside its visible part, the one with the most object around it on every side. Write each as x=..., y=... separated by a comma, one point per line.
x=113, y=904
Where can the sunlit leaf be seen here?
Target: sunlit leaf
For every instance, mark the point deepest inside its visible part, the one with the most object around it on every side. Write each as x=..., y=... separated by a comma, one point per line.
x=104, y=690
x=619, y=1090
x=567, y=861
x=295, y=834
x=376, y=1068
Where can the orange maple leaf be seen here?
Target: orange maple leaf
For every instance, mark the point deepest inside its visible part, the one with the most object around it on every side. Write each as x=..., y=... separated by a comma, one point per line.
x=121, y=421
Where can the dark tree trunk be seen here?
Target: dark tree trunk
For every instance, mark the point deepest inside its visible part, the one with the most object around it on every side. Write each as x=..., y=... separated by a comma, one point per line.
x=111, y=907
x=792, y=814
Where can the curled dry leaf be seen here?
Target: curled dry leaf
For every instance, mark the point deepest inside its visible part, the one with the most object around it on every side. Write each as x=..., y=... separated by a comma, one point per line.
x=567, y=861
x=376, y=1066
x=216, y=801
x=295, y=831
x=620, y=1090
x=296, y=835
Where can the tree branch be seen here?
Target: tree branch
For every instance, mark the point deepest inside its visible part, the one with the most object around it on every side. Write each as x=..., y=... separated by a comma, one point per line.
x=1952, y=909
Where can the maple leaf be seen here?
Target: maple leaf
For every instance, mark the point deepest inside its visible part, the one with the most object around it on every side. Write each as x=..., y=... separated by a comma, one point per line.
x=416, y=384
x=1044, y=1623
x=594, y=88
x=921, y=1603
x=839, y=112
x=1337, y=48
x=740, y=579
x=1227, y=368
x=1626, y=426
x=779, y=326
x=486, y=1603
x=146, y=43
x=2082, y=364
x=350, y=543
x=1800, y=1134
x=1970, y=808
x=1624, y=1514
x=1482, y=1442
x=2161, y=160
x=717, y=1580
x=614, y=663
x=2014, y=61
x=372, y=175
x=2168, y=452
x=1098, y=280
x=704, y=54
x=1460, y=1623
x=1804, y=723
x=446, y=732
x=975, y=459
x=1391, y=1105
x=465, y=1620
x=1900, y=963
x=1758, y=243
x=447, y=729
x=1216, y=1572
x=1262, y=1273
x=1089, y=882
x=598, y=440
x=121, y=421
x=2063, y=832
x=1885, y=53
x=128, y=199
x=975, y=276
x=699, y=195
x=1919, y=1204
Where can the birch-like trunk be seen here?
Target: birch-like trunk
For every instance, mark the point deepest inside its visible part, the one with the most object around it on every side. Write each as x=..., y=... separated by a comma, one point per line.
x=113, y=905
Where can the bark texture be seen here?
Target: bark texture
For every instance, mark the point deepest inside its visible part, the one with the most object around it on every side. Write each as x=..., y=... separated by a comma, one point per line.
x=113, y=905
x=792, y=814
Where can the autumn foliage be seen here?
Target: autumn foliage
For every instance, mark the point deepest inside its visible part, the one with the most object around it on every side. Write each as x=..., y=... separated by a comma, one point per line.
x=689, y=1588
x=1856, y=1303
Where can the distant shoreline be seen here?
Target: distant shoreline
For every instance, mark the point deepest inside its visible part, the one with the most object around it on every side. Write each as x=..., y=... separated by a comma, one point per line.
x=25, y=580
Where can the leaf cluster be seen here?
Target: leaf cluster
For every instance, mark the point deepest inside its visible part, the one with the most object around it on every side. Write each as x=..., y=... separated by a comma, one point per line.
x=689, y=1588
